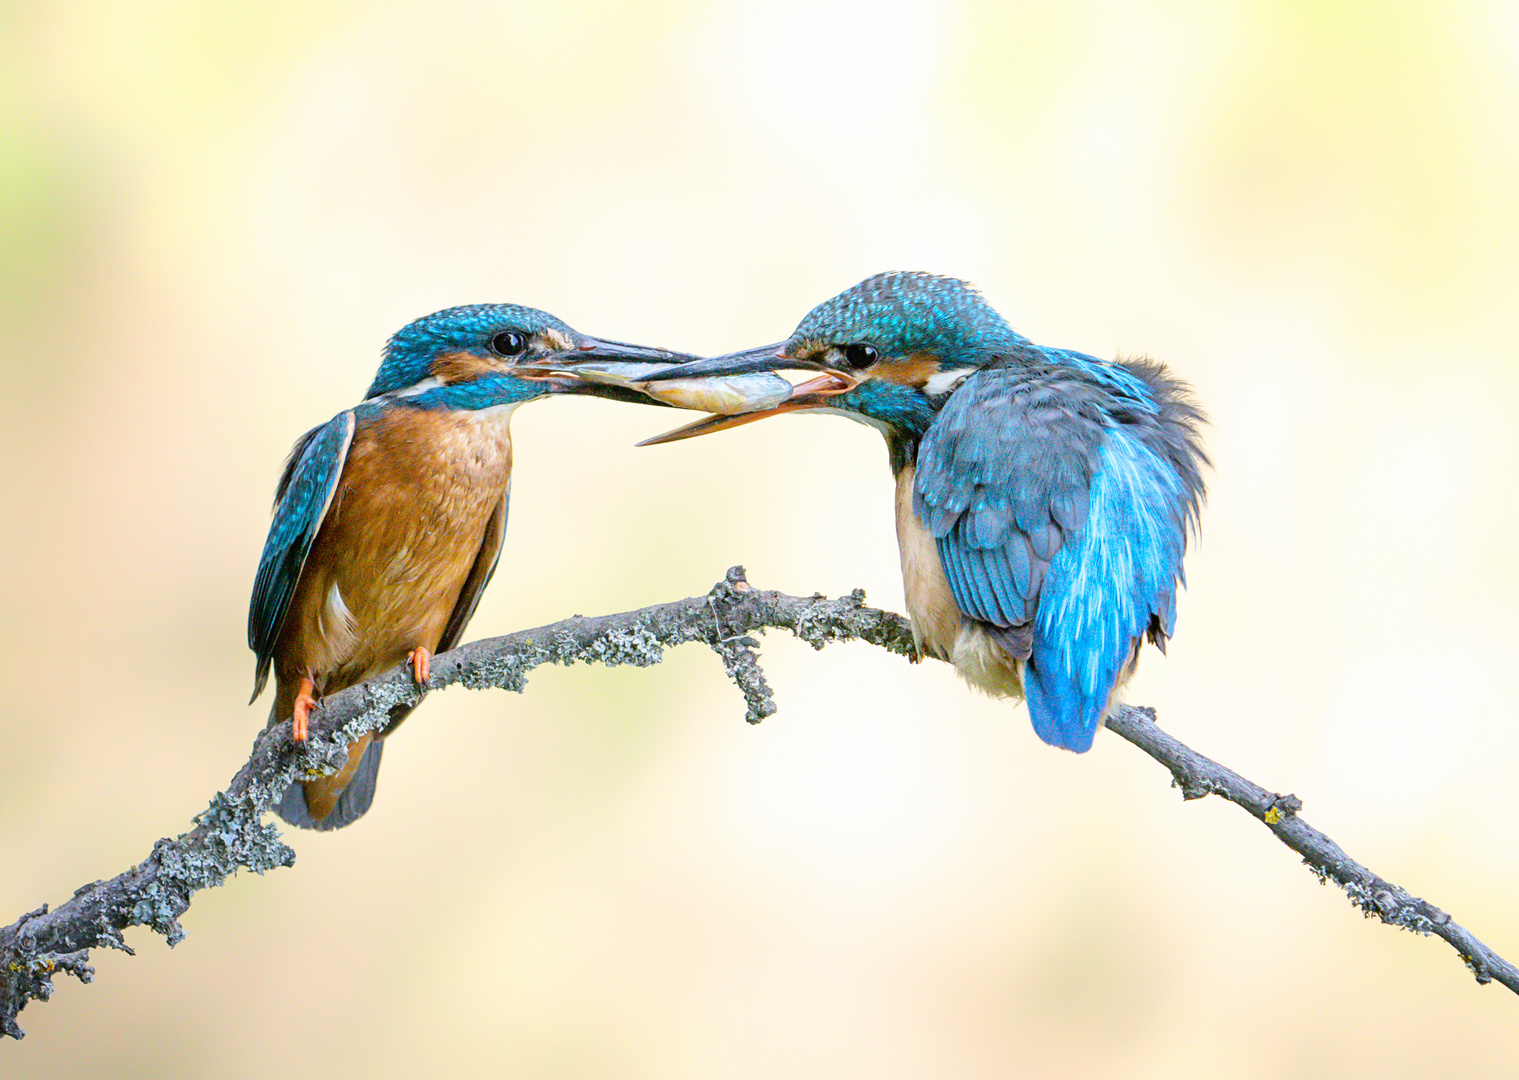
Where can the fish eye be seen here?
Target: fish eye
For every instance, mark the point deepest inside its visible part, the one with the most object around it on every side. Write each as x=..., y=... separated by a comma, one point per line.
x=861, y=356
x=509, y=343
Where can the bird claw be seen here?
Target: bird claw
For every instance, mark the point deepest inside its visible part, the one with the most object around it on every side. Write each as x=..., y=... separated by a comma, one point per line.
x=304, y=703
x=420, y=660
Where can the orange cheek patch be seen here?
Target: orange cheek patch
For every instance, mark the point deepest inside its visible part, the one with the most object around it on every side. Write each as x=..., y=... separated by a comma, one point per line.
x=914, y=370
x=460, y=366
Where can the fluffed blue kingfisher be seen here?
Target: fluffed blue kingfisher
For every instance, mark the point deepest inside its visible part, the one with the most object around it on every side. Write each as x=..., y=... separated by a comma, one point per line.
x=389, y=518
x=1044, y=498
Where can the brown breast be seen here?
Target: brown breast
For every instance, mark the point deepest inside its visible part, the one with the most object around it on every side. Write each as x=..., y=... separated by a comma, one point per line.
x=398, y=542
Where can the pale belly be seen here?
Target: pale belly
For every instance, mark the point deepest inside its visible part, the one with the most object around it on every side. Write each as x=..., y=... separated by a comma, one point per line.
x=935, y=616
x=938, y=626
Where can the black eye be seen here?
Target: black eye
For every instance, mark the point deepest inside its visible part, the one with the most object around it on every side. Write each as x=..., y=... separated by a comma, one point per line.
x=860, y=357
x=509, y=343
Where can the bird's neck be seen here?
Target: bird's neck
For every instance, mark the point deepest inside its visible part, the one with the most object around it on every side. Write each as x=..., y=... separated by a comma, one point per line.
x=901, y=413
x=902, y=450
x=901, y=408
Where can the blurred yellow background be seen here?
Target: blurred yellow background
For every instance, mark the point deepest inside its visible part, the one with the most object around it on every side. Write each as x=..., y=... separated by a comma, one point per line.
x=214, y=215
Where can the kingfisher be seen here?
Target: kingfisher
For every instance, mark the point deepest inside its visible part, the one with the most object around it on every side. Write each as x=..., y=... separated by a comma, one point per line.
x=389, y=518
x=1044, y=498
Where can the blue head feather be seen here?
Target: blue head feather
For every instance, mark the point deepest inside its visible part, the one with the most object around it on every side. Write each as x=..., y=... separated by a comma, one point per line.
x=904, y=312
x=900, y=409
x=411, y=350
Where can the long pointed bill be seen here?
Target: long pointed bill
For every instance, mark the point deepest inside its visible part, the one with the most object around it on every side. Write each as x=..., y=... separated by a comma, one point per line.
x=611, y=369
x=766, y=358
x=614, y=363
x=735, y=384
x=604, y=369
x=593, y=350
x=815, y=394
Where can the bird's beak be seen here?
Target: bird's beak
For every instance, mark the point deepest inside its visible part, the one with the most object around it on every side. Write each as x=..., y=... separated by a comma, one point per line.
x=612, y=369
x=816, y=394
x=606, y=369
x=593, y=350
x=766, y=358
x=608, y=362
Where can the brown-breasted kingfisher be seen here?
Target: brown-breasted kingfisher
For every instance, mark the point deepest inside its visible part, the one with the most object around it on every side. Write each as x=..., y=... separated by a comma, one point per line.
x=389, y=518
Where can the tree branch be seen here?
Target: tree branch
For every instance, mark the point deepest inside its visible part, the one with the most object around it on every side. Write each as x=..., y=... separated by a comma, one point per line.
x=1198, y=776
x=229, y=835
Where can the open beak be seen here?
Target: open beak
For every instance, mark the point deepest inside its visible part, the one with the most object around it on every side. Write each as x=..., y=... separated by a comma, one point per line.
x=766, y=358
x=611, y=369
x=816, y=394
x=614, y=363
x=593, y=350
x=605, y=369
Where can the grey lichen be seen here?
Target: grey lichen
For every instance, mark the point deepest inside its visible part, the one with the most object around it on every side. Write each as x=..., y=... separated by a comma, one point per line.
x=637, y=645
x=502, y=672
x=230, y=834
x=814, y=631
x=741, y=664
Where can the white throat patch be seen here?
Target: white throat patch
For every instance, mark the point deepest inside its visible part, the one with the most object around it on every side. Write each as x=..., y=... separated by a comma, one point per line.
x=944, y=382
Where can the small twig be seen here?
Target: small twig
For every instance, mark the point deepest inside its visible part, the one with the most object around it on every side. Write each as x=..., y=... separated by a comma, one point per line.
x=230, y=835
x=1198, y=776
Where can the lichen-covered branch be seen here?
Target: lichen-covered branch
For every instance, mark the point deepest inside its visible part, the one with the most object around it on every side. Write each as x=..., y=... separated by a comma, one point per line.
x=230, y=835
x=1198, y=776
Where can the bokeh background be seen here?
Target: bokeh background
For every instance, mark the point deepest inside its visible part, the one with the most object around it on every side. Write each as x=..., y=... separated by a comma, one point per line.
x=213, y=216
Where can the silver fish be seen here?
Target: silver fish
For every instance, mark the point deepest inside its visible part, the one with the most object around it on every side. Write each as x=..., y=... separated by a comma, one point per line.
x=724, y=394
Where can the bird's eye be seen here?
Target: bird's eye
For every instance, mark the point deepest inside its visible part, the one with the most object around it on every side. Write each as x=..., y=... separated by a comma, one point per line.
x=509, y=343
x=860, y=357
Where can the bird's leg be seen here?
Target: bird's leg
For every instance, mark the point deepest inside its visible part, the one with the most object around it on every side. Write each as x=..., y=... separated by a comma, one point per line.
x=420, y=660
x=305, y=701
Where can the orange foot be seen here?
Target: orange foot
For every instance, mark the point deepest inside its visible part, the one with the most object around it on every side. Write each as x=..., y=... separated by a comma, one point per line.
x=305, y=701
x=421, y=665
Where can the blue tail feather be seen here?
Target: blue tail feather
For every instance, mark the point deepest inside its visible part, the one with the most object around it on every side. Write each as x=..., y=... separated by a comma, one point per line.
x=1063, y=713
x=352, y=804
x=1102, y=591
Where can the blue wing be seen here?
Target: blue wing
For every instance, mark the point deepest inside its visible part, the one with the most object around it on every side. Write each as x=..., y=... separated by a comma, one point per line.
x=305, y=492
x=1111, y=584
x=1002, y=479
x=1056, y=526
